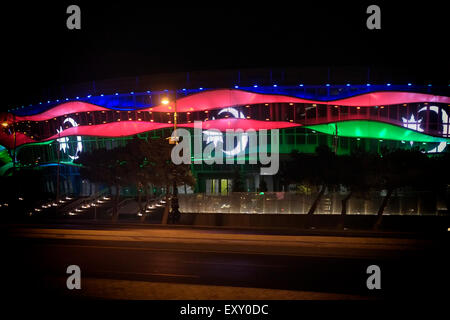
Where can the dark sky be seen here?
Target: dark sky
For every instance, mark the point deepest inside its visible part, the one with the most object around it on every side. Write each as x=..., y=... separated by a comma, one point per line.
x=129, y=38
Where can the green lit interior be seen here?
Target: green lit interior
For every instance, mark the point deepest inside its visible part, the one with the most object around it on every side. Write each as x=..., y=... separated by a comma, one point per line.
x=43, y=143
x=5, y=160
x=4, y=156
x=374, y=130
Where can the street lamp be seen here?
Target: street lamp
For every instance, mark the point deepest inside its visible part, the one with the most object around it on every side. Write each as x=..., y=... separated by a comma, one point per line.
x=165, y=101
x=173, y=140
x=5, y=124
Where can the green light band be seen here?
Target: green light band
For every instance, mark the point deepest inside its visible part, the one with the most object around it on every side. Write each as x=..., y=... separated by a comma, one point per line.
x=35, y=144
x=374, y=130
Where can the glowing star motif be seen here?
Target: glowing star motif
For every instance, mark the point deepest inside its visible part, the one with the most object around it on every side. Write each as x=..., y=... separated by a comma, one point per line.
x=412, y=123
x=217, y=137
x=64, y=141
x=445, y=125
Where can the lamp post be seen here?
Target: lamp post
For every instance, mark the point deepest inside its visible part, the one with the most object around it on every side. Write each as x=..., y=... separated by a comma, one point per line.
x=57, y=167
x=173, y=140
x=166, y=102
x=6, y=124
x=336, y=139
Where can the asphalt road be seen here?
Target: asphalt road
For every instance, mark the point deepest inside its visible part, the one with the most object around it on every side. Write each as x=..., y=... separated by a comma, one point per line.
x=36, y=267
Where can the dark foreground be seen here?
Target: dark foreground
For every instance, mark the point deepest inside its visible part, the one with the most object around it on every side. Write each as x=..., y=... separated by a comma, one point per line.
x=171, y=263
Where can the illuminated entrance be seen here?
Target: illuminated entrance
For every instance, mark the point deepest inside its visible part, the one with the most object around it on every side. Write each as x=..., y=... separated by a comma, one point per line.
x=218, y=186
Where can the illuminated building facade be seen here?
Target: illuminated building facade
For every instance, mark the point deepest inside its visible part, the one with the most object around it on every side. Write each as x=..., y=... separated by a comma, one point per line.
x=344, y=117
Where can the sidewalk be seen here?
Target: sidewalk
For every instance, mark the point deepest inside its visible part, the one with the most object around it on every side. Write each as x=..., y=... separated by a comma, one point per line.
x=144, y=290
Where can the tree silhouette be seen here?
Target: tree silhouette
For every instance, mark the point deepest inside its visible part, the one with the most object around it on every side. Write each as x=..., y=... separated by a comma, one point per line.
x=323, y=172
x=138, y=163
x=106, y=166
x=262, y=185
x=315, y=170
x=400, y=168
x=238, y=181
x=357, y=173
x=155, y=166
x=439, y=177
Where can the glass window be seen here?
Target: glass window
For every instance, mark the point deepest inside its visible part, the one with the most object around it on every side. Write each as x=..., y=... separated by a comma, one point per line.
x=383, y=112
x=310, y=112
x=393, y=112
x=323, y=139
x=300, y=139
x=290, y=139
x=322, y=111
x=311, y=139
x=334, y=112
x=343, y=112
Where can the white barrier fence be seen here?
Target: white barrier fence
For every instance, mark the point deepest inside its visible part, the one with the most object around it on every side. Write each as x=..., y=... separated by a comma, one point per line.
x=417, y=203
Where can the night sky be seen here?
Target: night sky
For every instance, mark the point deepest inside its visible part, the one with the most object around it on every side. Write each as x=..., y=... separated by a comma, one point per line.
x=132, y=38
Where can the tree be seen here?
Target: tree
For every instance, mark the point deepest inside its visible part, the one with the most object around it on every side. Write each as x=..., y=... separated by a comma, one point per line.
x=262, y=185
x=159, y=170
x=439, y=177
x=238, y=181
x=138, y=163
x=106, y=166
x=135, y=165
x=319, y=169
x=400, y=168
x=323, y=172
x=357, y=174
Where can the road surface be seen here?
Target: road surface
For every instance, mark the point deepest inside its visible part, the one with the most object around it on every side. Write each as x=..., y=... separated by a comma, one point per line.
x=171, y=263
